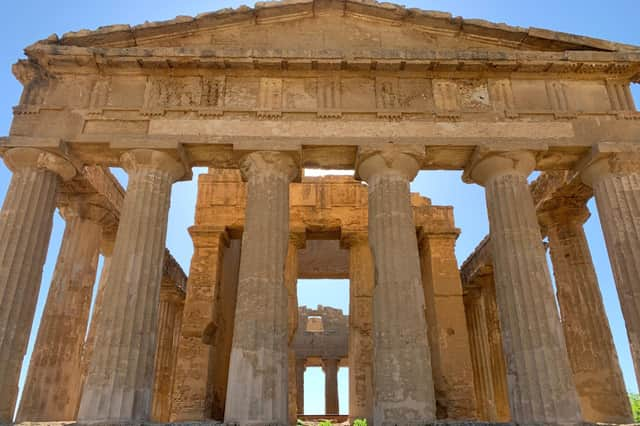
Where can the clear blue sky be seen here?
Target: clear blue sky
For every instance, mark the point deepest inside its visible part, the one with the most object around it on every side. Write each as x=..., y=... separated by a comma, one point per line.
x=29, y=20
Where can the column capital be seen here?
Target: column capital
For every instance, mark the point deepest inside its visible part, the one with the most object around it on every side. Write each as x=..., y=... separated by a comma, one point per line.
x=19, y=158
x=298, y=238
x=389, y=159
x=209, y=236
x=617, y=163
x=425, y=236
x=265, y=163
x=149, y=159
x=84, y=207
x=562, y=210
x=484, y=166
x=350, y=238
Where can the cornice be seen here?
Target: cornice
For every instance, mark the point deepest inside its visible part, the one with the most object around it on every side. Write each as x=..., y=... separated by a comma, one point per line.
x=274, y=11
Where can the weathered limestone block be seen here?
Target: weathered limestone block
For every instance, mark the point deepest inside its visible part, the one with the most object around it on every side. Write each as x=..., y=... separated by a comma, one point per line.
x=193, y=388
x=616, y=185
x=481, y=355
x=257, y=391
x=361, y=281
x=225, y=308
x=403, y=383
x=300, y=369
x=331, y=403
x=541, y=386
x=25, y=227
x=119, y=383
x=54, y=382
x=169, y=322
x=448, y=337
x=595, y=365
x=496, y=349
x=296, y=242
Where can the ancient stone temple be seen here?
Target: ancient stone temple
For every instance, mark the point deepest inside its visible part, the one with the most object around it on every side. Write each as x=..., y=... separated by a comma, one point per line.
x=257, y=95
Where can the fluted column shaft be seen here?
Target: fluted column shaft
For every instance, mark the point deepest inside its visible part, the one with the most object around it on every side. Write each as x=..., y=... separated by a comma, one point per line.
x=331, y=403
x=25, y=228
x=300, y=369
x=119, y=383
x=616, y=185
x=403, y=383
x=361, y=280
x=296, y=241
x=258, y=372
x=496, y=349
x=90, y=343
x=593, y=357
x=169, y=319
x=541, y=386
x=52, y=389
x=481, y=355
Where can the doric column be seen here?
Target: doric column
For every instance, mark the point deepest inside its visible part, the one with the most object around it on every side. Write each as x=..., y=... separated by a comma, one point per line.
x=481, y=354
x=448, y=337
x=300, y=369
x=257, y=391
x=296, y=242
x=403, y=383
x=25, y=227
x=361, y=281
x=90, y=343
x=331, y=403
x=169, y=321
x=193, y=387
x=54, y=381
x=119, y=383
x=496, y=349
x=596, y=370
x=616, y=185
x=541, y=386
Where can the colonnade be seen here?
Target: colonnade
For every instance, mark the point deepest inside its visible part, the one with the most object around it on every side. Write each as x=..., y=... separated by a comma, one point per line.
x=119, y=381
x=330, y=367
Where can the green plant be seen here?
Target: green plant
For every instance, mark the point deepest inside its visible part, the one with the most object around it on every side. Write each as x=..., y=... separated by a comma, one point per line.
x=325, y=423
x=360, y=422
x=634, y=399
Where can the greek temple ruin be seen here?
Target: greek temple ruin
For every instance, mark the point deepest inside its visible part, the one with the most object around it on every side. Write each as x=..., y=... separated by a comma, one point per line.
x=258, y=95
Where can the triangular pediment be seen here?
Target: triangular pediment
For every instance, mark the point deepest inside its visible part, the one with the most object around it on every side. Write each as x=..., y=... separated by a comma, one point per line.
x=348, y=26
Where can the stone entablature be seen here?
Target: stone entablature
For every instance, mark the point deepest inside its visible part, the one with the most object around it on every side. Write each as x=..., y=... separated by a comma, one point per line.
x=323, y=208
x=454, y=83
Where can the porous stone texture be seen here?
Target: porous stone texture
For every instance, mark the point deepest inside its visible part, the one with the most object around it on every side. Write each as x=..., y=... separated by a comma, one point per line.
x=54, y=382
x=258, y=373
x=594, y=362
x=541, y=386
x=296, y=242
x=403, y=383
x=616, y=185
x=498, y=363
x=481, y=354
x=300, y=369
x=169, y=324
x=192, y=398
x=447, y=328
x=25, y=227
x=119, y=382
x=361, y=282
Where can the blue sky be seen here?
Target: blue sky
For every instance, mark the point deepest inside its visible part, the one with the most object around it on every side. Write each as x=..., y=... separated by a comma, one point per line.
x=29, y=20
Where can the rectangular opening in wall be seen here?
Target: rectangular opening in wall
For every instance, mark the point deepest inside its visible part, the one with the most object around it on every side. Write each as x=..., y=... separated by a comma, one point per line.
x=635, y=94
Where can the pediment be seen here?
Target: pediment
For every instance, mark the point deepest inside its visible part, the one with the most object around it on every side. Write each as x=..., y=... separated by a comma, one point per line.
x=348, y=26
